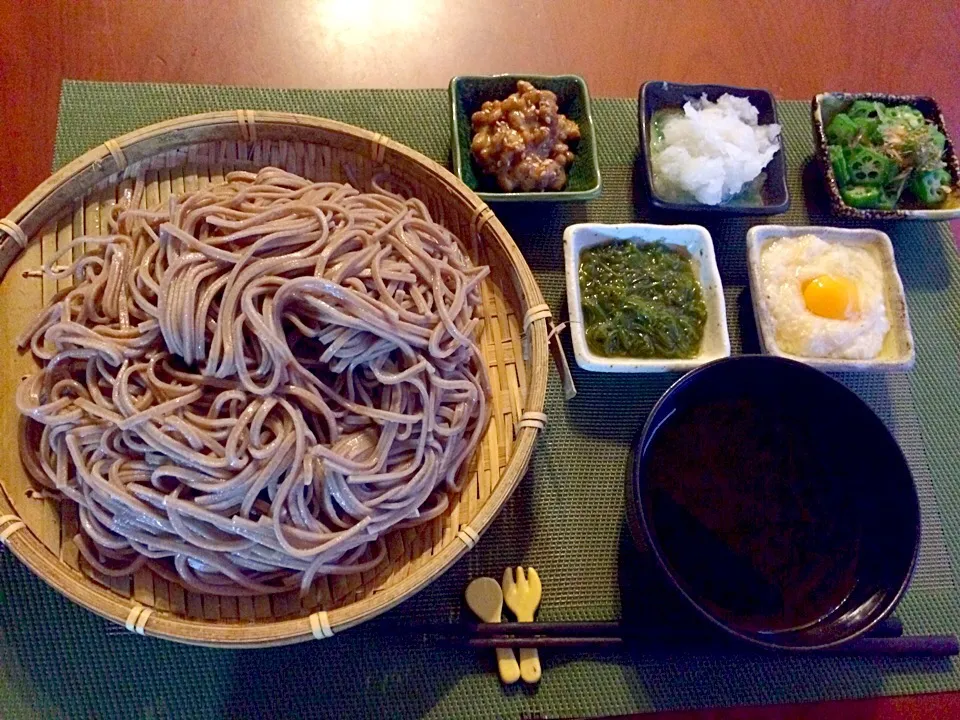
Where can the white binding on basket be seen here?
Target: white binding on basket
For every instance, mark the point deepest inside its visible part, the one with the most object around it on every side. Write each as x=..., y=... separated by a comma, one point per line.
x=113, y=147
x=537, y=312
x=15, y=231
x=481, y=216
x=137, y=618
x=379, y=147
x=468, y=536
x=15, y=524
x=533, y=419
x=248, y=124
x=320, y=625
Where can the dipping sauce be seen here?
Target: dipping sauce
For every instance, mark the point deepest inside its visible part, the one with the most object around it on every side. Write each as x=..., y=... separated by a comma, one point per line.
x=751, y=508
x=641, y=301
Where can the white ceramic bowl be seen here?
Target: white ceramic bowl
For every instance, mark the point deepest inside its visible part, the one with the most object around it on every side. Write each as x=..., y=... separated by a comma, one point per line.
x=897, y=352
x=696, y=241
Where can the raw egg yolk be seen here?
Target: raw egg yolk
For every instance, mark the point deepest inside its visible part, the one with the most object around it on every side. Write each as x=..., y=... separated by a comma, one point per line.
x=831, y=297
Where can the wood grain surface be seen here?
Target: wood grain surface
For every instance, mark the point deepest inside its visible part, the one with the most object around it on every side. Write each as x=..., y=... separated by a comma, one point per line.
x=793, y=48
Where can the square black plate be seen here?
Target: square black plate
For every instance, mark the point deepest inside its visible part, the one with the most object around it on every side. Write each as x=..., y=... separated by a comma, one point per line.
x=658, y=94
x=469, y=92
x=825, y=106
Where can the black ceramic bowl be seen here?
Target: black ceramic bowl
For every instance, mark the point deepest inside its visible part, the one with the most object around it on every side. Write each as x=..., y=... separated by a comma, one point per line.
x=658, y=94
x=776, y=502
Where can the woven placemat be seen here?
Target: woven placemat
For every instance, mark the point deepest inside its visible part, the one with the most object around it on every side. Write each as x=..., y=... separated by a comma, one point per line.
x=567, y=517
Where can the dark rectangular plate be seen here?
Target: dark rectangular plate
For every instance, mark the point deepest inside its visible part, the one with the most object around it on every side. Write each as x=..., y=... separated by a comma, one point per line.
x=469, y=92
x=658, y=94
x=825, y=106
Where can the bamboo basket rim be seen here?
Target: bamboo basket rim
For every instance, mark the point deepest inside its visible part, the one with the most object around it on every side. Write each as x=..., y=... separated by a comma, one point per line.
x=96, y=165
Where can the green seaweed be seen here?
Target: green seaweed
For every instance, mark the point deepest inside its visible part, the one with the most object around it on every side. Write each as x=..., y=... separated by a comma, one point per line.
x=641, y=301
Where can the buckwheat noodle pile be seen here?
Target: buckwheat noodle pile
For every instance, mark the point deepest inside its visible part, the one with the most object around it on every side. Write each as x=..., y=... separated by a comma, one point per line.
x=248, y=386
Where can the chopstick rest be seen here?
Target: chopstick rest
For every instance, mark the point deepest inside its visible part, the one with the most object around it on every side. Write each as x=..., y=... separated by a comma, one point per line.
x=485, y=599
x=522, y=596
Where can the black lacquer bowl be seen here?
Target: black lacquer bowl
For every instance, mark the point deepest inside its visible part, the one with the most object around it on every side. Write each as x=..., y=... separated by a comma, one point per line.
x=775, y=502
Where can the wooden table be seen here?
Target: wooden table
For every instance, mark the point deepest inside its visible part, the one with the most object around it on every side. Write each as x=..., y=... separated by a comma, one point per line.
x=794, y=49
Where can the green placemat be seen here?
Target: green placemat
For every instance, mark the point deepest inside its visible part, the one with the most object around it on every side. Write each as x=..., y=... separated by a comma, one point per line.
x=567, y=516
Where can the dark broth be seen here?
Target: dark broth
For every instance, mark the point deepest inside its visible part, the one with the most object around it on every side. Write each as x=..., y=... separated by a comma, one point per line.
x=750, y=507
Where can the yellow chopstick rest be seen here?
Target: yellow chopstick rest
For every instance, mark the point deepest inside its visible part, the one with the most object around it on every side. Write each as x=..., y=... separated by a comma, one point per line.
x=485, y=598
x=522, y=595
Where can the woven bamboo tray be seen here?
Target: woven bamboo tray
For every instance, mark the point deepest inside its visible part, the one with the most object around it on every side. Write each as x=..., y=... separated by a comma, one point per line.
x=195, y=151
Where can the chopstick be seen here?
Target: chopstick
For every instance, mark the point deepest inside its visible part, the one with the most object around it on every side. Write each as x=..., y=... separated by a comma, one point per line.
x=912, y=645
x=496, y=641
x=916, y=645
x=886, y=628
x=603, y=628
x=885, y=638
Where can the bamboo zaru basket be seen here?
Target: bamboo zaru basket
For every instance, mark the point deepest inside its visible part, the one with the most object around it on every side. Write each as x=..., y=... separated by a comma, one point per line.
x=192, y=152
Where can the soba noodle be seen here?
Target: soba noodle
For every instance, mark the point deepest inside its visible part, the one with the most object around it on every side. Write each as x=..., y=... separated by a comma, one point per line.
x=248, y=386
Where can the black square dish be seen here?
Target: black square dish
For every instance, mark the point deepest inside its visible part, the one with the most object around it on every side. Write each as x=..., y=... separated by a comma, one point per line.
x=772, y=197
x=468, y=93
x=826, y=106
